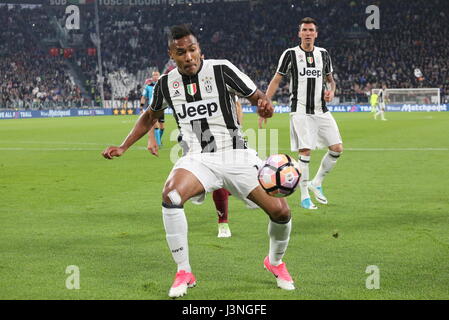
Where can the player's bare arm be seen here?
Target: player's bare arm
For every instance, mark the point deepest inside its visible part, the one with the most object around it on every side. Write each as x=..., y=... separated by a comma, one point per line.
x=145, y=122
x=152, y=143
x=264, y=107
x=272, y=88
x=329, y=94
x=142, y=101
x=239, y=109
x=274, y=85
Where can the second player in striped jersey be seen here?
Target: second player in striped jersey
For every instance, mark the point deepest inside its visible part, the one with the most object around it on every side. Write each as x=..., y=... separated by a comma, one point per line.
x=311, y=123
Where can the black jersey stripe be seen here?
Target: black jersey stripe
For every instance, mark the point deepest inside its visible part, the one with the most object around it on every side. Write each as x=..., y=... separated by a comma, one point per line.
x=225, y=105
x=326, y=69
x=165, y=91
x=202, y=131
x=294, y=94
x=285, y=62
x=310, y=101
x=158, y=97
x=234, y=81
x=191, y=85
x=199, y=126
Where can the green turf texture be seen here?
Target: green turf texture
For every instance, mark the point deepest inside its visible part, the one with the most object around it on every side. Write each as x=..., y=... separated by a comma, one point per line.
x=63, y=204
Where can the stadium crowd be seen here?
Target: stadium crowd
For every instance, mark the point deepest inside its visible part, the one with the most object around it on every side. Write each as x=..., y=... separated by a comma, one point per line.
x=30, y=78
x=251, y=34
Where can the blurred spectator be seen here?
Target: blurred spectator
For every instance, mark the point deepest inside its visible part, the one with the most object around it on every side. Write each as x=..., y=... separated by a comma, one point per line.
x=251, y=34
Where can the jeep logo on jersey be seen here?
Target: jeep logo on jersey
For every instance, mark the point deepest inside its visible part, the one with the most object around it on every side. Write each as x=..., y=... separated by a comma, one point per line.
x=310, y=73
x=197, y=110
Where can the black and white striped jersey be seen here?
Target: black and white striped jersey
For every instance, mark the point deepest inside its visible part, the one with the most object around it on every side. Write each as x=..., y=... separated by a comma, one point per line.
x=307, y=71
x=203, y=105
x=380, y=98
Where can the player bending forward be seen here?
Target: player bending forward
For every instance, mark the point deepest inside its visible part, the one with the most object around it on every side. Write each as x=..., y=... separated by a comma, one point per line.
x=215, y=153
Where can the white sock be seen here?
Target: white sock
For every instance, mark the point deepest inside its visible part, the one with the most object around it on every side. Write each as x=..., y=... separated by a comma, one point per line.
x=377, y=113
x=327, y=163
x=175, y=224
x=304, y=167
x=279, y=236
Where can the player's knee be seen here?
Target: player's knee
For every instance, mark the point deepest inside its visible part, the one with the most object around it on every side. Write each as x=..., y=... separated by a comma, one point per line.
x=281, y=214
x=338, y=148
x=172, y=197
x=304, y=152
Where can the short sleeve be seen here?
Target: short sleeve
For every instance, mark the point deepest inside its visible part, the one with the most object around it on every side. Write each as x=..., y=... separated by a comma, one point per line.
x=285, y=62
x=158, y=102
x=237, y=82
x=328, y=64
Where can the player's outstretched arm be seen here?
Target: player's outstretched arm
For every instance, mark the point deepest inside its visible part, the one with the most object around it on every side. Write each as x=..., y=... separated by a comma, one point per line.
x=142, y=102
x=145, y=122
x=271, y=90
x=152, y=143
x=274, y=85
x=264, y=107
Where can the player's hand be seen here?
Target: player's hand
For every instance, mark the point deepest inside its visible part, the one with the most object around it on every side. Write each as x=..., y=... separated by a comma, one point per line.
x=153, y=147
x=112, y=152
x=328, y=95
x=262, y=120
x=264, y=108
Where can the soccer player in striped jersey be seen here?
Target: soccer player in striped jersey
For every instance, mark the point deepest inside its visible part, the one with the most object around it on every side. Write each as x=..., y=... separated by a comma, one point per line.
x=215, y=153
x=381, y=99
x=311, y=123
x=220, y=196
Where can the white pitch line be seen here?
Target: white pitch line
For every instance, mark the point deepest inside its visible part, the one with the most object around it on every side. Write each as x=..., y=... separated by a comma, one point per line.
x=397, y=149
x=54, y=142
x=59, y=149
x=260, y=149
x=372, y=149
x=108, y=144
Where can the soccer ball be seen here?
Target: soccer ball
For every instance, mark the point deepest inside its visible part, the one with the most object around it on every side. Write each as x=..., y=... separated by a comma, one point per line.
x=279, y=176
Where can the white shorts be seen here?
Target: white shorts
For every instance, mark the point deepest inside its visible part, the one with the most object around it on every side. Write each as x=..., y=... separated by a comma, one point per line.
x=235, y=170
x=311, y=131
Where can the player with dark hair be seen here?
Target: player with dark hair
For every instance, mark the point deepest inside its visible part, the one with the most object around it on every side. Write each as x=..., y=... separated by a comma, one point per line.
x=215, y=155
x=311, y=123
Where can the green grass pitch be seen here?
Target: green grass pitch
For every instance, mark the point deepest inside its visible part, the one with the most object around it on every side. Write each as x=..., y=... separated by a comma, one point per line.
x=62, y=204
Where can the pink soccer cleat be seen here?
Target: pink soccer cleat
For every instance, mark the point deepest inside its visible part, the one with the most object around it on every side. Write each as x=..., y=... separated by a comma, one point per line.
x=283, y=278
x=183, y=280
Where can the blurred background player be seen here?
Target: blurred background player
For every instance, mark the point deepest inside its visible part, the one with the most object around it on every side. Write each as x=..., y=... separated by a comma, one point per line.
x=381, y=105
x=373, y=100
x=147, y=96
x=311, y=123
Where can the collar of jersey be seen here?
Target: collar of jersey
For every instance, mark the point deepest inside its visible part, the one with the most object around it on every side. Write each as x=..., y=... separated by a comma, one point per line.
x=185, y=75
x=305, y=50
